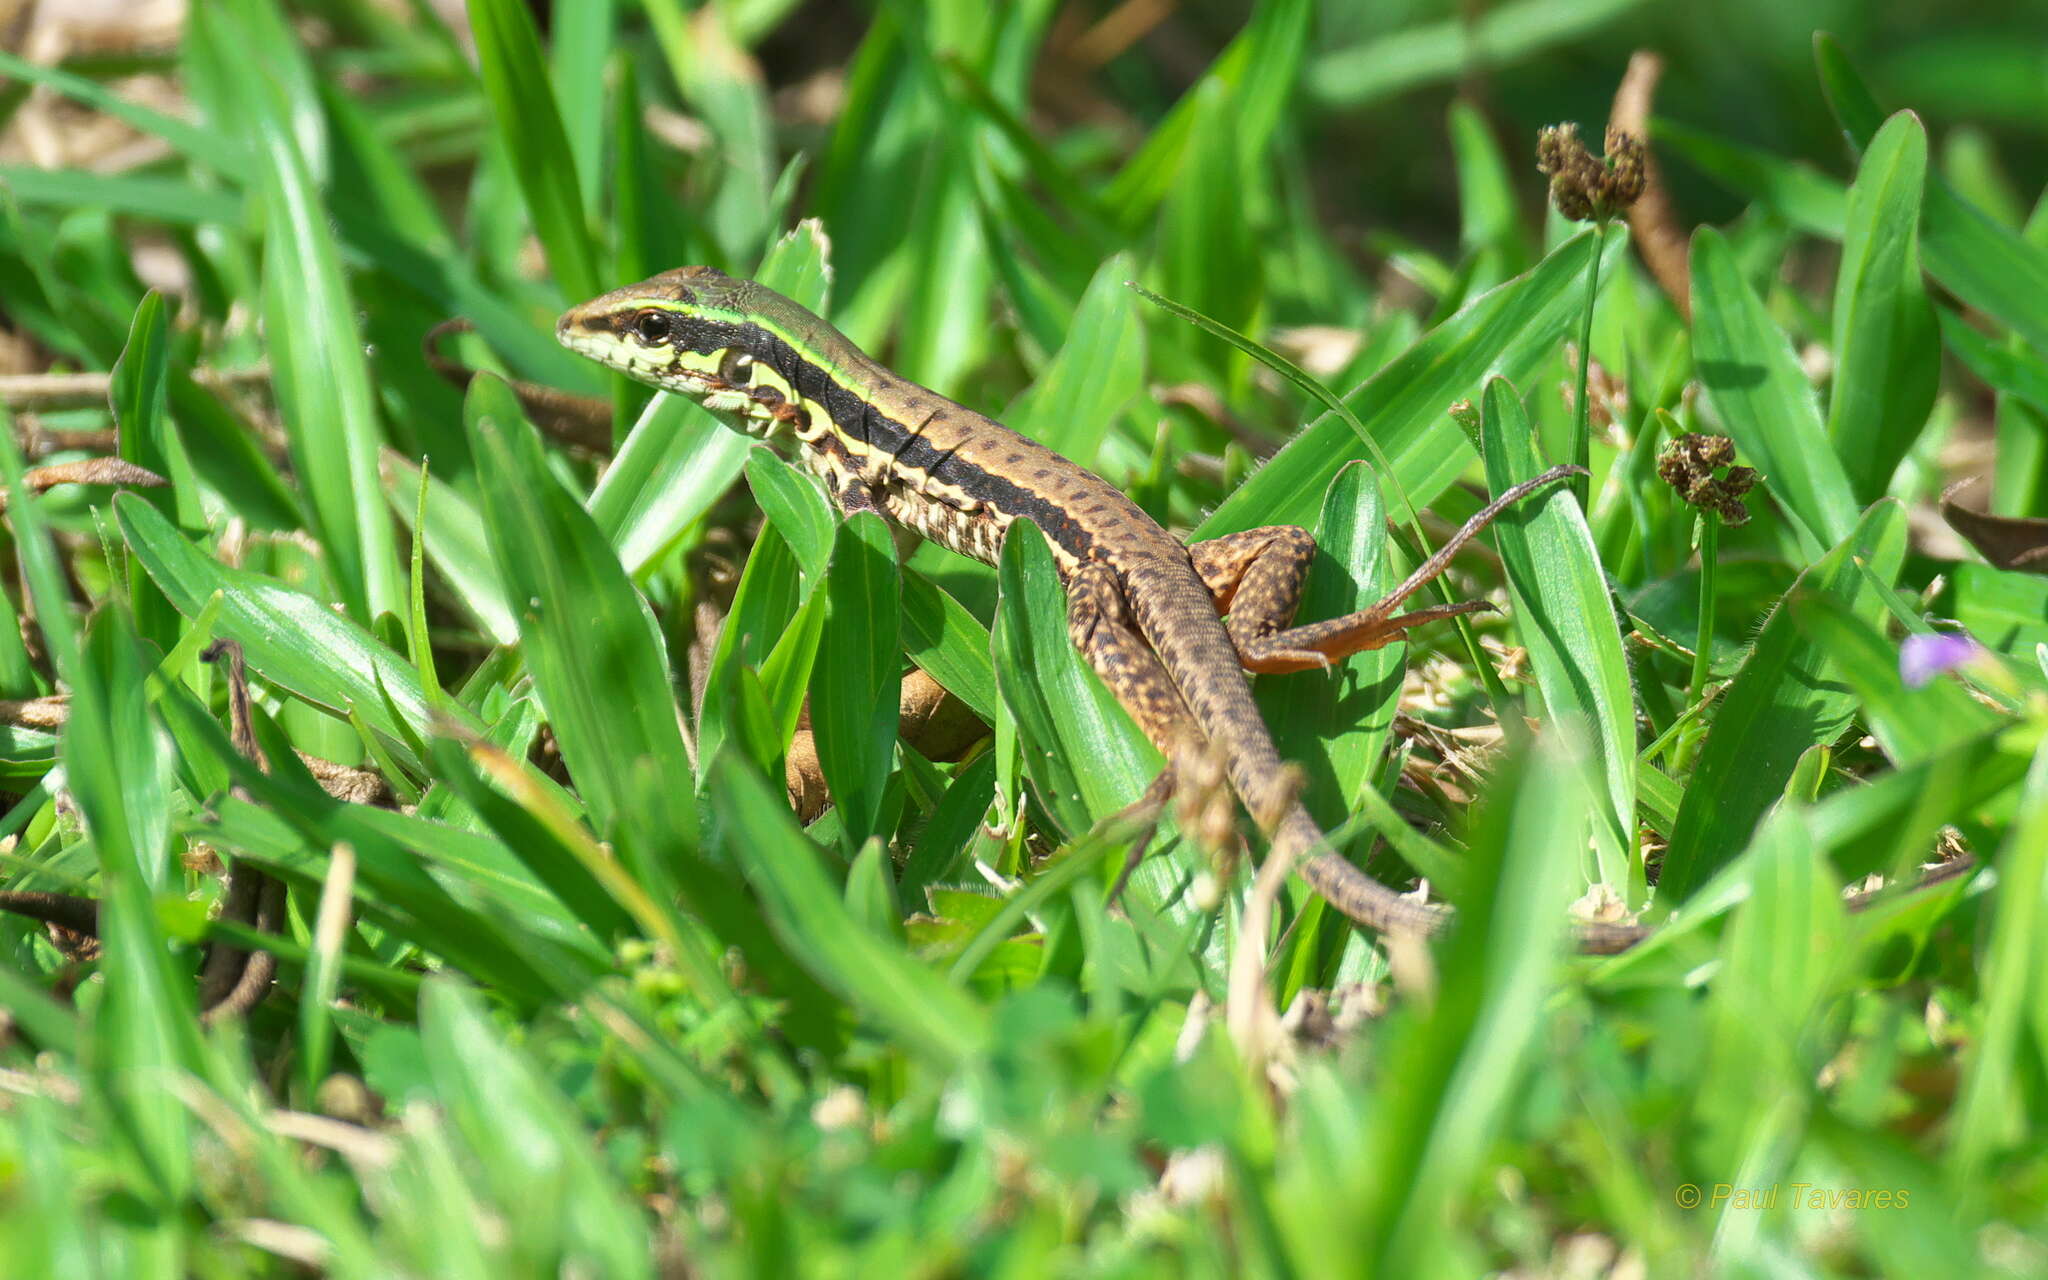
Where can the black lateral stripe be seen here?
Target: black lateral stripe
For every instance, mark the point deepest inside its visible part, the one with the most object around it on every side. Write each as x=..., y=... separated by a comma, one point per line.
x=911, y=435
x=858, y=418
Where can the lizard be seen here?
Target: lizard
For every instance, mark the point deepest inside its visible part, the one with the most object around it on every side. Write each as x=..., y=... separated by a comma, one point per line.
x=1171, y=628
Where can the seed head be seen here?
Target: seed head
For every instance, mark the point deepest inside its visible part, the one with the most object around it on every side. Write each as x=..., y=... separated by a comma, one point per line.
x=1688, y=465
x=1584, y=186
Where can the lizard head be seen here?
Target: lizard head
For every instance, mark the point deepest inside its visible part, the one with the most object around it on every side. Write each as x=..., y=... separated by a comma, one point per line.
x=692, y=331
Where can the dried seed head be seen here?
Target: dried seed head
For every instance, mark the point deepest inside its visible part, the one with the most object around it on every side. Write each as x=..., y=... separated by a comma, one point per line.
x=1688, y=465
x=1628, y=168
x=1586, y=187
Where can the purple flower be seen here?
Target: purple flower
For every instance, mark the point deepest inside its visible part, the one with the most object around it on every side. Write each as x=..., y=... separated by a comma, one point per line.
x=1921, y=658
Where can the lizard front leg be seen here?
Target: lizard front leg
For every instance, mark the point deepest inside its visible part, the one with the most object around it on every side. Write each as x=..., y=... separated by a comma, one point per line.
x=1256, y=578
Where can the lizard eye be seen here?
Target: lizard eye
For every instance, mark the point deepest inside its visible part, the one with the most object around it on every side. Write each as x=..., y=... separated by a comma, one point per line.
x=736, y=368
x=652, y=327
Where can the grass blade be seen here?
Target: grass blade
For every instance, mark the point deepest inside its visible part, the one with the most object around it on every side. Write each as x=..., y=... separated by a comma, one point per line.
x=1887, y=357
x=523, y=110
x=1565, y=617
x=854, y=687
x=1786, y=698
x=930, y=1016
x=1507, y=331
x=1763, y=398
x=291, y=640
x=322, y=379
x=585, y=632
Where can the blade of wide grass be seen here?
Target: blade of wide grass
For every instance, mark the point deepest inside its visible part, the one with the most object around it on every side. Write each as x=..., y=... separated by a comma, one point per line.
x=1785, y=699
x=1887, y=355
x=949, y=643
x=1986, y=265
x=1099, y=369
x=1565, y=617
x=528, y=125
x=1508, y=331
x=290, y=639
x=1456, y=1070
x=1763, y=397
x=588, y=637
x=854, y=686
x=932, y=1018
x=324, y=388
x=1989, y=1102
x=527, y=1143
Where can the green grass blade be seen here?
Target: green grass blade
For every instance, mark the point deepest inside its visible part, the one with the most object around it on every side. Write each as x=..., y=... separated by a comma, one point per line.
x=1565, y=617
x=1910, y=724
x=146, y=1029
x=799, y=512
x=1763, y=398
x=526, y=1144
x=854, y=687
x=1411, y=55
x=323, y=381
x=1207, y=254
x=223, y=155
x=770, y=590
x=930, y=1017
x=581, y=40
x=139, y=397
x=1098, y=371
x=949, y=643
x=1083, y=756
x=587, y=635
x=453, y=534
x=162, y=200
x=1508, y=331
x=1989, y=1106
x=290, y=638
x=1887, y=358
x=1459, y=1068
x=1796, y=192
x=529, y=126
x=1986, y=265
x=1785, y=699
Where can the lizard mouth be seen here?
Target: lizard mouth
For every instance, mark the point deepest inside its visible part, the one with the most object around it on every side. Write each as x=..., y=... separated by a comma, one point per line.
x=597, y=336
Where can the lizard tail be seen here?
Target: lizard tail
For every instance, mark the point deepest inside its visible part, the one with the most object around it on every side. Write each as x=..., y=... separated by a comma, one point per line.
x=1380, y=908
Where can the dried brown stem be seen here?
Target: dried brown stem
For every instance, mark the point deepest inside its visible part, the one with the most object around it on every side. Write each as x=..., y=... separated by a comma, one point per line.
x=1652, y=219
x=233, y=980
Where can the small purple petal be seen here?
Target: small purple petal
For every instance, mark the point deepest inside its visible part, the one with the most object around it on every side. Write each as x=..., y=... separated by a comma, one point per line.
x=1921, y=658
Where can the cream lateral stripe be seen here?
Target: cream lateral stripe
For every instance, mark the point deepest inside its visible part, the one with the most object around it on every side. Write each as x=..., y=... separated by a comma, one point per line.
x=927, y=485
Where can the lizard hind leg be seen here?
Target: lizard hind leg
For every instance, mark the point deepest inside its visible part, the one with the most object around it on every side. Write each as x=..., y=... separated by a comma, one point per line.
x=1100, y=624
x=1256, y=576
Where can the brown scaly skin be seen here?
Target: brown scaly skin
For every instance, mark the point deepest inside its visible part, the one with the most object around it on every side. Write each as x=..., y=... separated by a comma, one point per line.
x=1144, y=609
